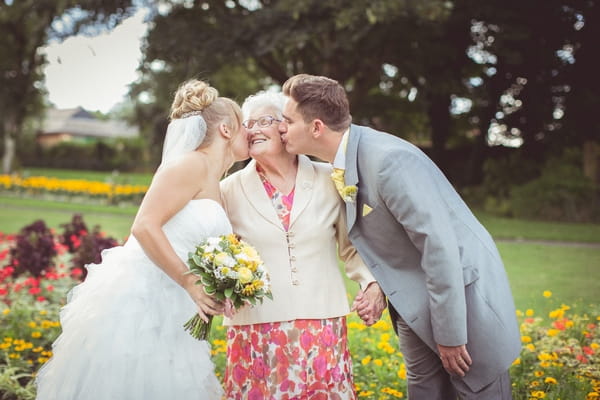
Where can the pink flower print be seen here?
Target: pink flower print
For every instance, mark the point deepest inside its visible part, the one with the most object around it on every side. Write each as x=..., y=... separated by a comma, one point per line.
x=306, y=341
x=328, y=338
x=259, y=368
x=255, y=394
x=320, y=366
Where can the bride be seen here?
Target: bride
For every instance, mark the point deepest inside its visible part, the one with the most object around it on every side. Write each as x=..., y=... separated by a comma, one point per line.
x=122, y=328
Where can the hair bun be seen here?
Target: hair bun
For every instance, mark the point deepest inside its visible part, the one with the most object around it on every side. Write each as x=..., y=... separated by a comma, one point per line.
x=192, y=95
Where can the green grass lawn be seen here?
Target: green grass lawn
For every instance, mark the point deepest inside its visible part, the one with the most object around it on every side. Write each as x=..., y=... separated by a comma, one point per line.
x=15, y=213
x=502, y=228
x=570, y=273
x=102, y=176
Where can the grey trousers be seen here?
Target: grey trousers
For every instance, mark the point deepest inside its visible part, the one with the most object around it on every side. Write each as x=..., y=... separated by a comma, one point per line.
x=428, y=380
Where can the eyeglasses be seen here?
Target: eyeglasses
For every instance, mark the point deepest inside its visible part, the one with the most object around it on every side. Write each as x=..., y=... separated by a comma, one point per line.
x=262, y=122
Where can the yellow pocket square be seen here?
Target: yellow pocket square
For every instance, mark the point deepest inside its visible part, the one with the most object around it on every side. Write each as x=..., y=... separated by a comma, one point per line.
x=366, y=210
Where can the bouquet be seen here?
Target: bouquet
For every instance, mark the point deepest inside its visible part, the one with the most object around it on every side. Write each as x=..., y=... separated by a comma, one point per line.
x=228, y=268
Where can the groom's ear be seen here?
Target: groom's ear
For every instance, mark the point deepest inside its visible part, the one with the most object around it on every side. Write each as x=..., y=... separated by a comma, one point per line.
x=318, y=128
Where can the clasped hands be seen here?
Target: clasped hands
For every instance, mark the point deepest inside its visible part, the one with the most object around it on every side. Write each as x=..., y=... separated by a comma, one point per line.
x=369, y=303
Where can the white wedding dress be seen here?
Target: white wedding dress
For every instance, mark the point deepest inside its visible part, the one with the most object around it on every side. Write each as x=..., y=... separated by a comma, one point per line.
x=122, y=328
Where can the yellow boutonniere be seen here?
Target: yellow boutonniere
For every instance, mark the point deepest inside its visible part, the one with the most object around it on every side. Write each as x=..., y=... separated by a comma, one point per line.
x=348, y=192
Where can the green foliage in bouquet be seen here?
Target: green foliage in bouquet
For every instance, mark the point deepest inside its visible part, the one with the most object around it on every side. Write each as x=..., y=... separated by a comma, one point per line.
x=229, y=269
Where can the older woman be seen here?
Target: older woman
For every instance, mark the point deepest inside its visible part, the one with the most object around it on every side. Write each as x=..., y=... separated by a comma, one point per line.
x=294, y=346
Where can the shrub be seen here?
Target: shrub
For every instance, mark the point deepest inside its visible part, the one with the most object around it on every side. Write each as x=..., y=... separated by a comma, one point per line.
x=86, y=246
x=561, y=193
x=34, y=250
x=73, y=231
x=90, y=249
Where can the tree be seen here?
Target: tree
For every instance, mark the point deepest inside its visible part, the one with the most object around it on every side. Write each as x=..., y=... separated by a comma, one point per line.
x=401, y=62
x=25, y=27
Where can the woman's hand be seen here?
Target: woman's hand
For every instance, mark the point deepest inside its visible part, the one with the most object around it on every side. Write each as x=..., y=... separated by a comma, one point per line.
x=370, y=303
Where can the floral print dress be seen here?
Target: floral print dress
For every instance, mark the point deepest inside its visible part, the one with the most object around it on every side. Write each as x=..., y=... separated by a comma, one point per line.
x=305, y=359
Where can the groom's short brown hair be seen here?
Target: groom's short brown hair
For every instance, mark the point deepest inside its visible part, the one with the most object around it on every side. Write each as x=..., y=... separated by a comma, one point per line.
x=319, y=97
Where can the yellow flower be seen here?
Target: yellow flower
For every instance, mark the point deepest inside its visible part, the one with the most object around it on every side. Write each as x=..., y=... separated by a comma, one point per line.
x=526, y=339
x=557, y=314
x=552, y=332
x=529, y=312
x=6, y=311
x=517, y=361
x=538, y=373
x=538, y=394
x=36, y=334
x=222, y=259
x=550, y=380
x=402, y=372
x=245, y=275
x=349, y=193
x=366, y=360
x=547, y=293
x=378, y=362
x=251, y=253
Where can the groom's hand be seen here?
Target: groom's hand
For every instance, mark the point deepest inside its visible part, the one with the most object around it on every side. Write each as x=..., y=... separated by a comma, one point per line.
x=456, y=359
x=370, y=303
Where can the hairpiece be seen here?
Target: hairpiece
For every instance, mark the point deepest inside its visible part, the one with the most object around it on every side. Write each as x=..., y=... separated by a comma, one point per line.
x=191, y=113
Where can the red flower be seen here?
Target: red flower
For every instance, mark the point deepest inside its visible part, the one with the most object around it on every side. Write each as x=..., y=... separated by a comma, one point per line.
x=581, y=358
x=588, y=350
x=76, y=272
x=35, y=290
x=50, y=288
x=560, y=325
x=3, y=254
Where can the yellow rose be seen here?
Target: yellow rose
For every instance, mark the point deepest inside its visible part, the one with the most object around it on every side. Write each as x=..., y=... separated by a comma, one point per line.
x=245, y=275
x=221, y=258
x=250, y=252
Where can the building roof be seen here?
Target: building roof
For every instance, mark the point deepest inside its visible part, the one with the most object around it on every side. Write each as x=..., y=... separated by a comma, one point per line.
x=79, y=122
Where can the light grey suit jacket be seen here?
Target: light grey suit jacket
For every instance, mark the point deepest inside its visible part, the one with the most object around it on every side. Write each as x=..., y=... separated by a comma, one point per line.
x=438, y=266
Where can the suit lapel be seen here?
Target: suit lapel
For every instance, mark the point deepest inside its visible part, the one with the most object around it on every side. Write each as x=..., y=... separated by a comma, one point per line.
x=351, y=173
x=256, y=195
x=303, y=191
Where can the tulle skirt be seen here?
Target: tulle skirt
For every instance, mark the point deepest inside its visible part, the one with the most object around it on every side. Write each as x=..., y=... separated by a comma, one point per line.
x=122, y=337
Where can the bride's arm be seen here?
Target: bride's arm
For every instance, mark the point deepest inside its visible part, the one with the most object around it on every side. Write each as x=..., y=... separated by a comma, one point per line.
x=171, y=189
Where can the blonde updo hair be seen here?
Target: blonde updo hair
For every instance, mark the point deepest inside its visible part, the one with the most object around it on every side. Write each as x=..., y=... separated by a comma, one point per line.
x=195, y=96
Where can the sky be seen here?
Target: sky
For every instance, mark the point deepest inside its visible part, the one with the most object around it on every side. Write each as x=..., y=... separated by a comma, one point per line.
x=94, y=72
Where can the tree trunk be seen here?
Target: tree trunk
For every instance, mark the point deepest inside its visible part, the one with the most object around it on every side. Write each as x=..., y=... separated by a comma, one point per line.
x=438, y=111
x=591, y=160
x=9, y=147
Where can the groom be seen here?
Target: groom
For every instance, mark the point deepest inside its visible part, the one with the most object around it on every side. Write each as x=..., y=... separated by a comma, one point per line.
x=448, y=293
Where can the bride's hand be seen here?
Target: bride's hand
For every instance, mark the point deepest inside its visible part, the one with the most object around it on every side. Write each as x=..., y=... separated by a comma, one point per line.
x=207, y=305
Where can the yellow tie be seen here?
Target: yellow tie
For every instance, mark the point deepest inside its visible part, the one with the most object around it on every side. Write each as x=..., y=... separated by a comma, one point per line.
x=338, y=179
x=338, y=173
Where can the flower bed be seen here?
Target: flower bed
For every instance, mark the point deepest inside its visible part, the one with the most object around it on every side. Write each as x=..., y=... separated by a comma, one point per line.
x=71, y=189
x=560, y=358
